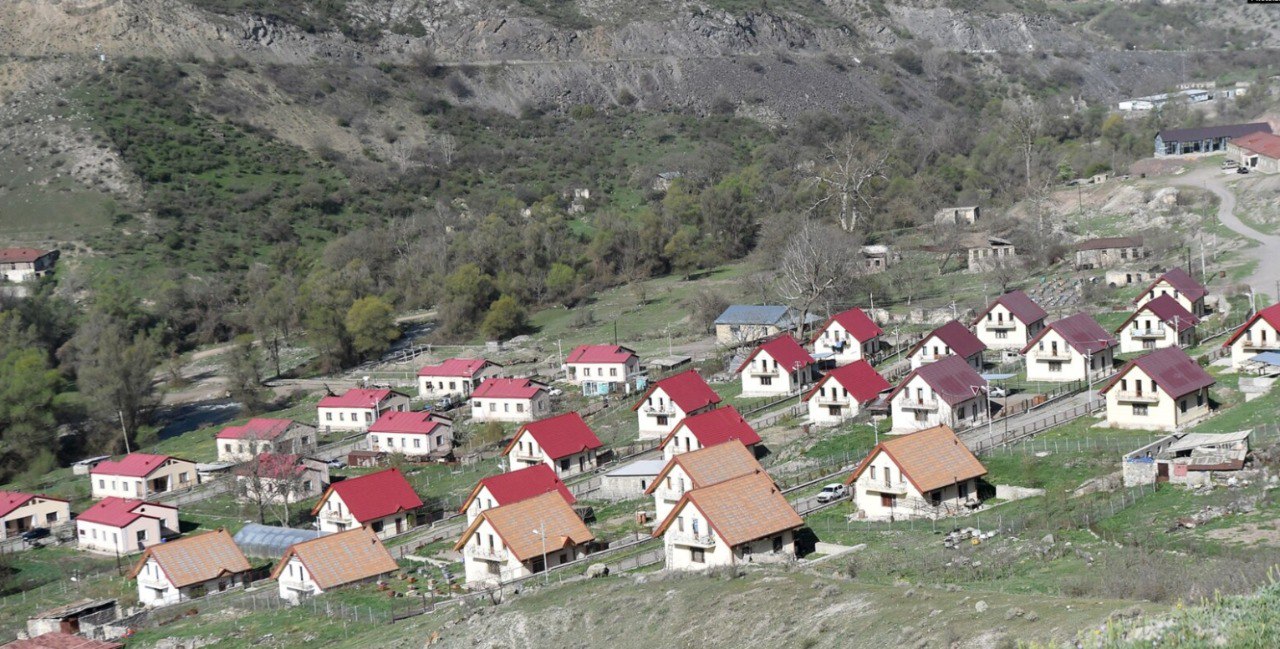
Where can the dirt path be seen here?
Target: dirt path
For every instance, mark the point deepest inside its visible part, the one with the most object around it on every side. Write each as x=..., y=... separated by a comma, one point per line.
x=1267, y=252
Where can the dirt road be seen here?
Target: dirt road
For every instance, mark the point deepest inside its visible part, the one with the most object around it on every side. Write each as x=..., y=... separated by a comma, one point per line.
x=1267, y=252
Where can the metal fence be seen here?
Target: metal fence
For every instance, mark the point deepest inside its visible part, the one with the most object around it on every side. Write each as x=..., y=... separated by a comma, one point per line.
x=985, y=444
x=196, y=493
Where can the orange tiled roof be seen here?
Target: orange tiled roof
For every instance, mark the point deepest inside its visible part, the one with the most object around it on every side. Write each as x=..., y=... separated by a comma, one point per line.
x=743, y=509
x=195, y=559
x=931, y=458
x=341, y=558
x=522, y=524
x=711, y=465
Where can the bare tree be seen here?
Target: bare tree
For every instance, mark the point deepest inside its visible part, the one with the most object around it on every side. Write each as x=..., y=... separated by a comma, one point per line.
x=1026, y=122
x=850, y=179
x=447, y=146
x=816, y=265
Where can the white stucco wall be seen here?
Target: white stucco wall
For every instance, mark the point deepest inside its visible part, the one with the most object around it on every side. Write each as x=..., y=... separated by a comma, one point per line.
x=517, y=410
x=1259, y=337
x=999, y=329
x=853, y=350
x=1155, y=409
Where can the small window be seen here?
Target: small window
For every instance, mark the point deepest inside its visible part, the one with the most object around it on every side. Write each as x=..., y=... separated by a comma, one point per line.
x=697, y=555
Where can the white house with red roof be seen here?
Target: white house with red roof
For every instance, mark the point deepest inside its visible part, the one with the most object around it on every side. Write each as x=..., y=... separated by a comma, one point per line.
x=262, y=435
x=280, y=478
x=564, y=442
x=1157, y=324
x=843, y=392
x=1179, y=285
x=358, y=408
x=510, y=400
x=1260, y=333
x=141, y=475
x=847, y=336
x=1163, y=390
x=22, y=264
x=384, y=502
x=1009, y=322
x=670, y=400
x=596, y=364
x=512, y=487
x=124, y=525
x=20, y=512
x=454, y=376
x=946, y=392
x=951, y=339
x=1070, y=349
x=708, y=429
x=778, y=367
x=414, y=434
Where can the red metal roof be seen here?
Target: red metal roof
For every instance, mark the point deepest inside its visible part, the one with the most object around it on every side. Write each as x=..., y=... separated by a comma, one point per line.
x=11, y=500
x=785, y=350
x=257, y=428
x=133, y=465
x=688, y=390
x=508, y=389
x=1181, y=281
x=1169, y=310
x=116, y=512
x=21, y=255
x=357, y=398
x=373, y=496
x=405, y=423
x=953, y=379
x=716, y=427
x=465, y=367
x=1019, y=304
x=522, y=484
x=1081, y=331
x=1171, y=369
x=1261, y=143
x=862, y=381
x=957, y=336
x=603, y=354
x=560, y=436
x=856, y=322
x=1270, y=315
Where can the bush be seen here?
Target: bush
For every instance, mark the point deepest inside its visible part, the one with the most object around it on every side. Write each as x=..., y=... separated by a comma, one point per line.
x=907, y=59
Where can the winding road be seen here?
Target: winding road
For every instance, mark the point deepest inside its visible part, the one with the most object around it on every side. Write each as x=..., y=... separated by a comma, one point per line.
x=1267, y=252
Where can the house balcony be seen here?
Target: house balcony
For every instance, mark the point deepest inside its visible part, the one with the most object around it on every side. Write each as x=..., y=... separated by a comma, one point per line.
x=1000, y=326
x=527, y=456
x=918, y=404
x=1156, y=334
x=1049, y=356
x=888, y=488
x=334, y=516
x=689, y=539
x=762, y=372
x=1137, y=397
x=483, y=553
x=929, y=358
x=1251, y=344
x=659, y=411
x=669, y=495
x=831, y=400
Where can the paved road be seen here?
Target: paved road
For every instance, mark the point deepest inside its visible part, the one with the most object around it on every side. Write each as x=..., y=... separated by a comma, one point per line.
x=985, y=436
x=1267, y=252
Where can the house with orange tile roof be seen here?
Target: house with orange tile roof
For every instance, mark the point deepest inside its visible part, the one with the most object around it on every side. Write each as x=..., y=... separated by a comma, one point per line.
x=926, y=474
x=22, y=264
x=20, y=512
x=313, y=567
x=454, y=376
x=741, y=520
x=188, y=568
x=777, y=367
x=264, y=435
x=60, y=640
x=564, y=442
x=141, y=475
x=124, y=526
x=522, y=539
x=1258, y=151
x=358, y=408
x=696, y=469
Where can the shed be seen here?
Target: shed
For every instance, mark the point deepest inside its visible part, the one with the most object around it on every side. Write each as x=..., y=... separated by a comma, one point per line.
x=365, y=458
x=630, y=480
x=269, y=542
x=72, y=618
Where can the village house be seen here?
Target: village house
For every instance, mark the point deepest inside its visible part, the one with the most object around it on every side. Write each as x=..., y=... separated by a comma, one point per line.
x=564, y=442
x=927, y=474
x=384, y=502
x=454, y=377
x=357, y=408
x=988, y=252
x=1186, y=458
x=951, y=339
x=260, y=435
x=522, y=539
x=776, y=368
x=312, y=567
x=280, y=478
x=22, y=511
x=846, y=337
x=741, y=520
x=1181, y=286
x=1203, y=139
x=510, y=400
x=1163, y=390
x=1162, y=322
x=188, y=568
x=947, y=392
x=512, y=487
x=1107, y=252
x=1257, y=152
x=415, y=434
x=708, y=429
x=1071, y=349
x=1010, y=322
x=1260, y=333
x=742, y=323
x=699, y=468
x=630, y=480
x=670, y=400
x=141, y=475
x=878, y=258
x=841, y=394
x=52, y=628
x=957, y=215
x=601, y=365
x=19, y=265
x=124, y=525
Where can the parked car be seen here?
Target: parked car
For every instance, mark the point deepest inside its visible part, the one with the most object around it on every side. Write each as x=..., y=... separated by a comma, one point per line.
x=336, y=463
x=35, y=533
x=1228, y=164
x=997, y=392
x=832, y=492
x=1242, y=170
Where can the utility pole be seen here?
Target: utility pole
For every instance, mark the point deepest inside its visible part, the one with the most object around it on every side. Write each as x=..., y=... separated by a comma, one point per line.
x=124, y=431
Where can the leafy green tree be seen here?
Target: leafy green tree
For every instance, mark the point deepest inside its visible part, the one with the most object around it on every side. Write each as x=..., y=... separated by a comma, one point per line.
x=561, y=280
x=244, y=374
x=28, y=386
x=506, y=318
x=371, y=323
x=115, y=370
x=683, y=251
x=468, y=291
x=327, y=301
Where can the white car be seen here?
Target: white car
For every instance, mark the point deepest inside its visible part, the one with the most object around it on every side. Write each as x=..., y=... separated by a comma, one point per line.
x=832, y=492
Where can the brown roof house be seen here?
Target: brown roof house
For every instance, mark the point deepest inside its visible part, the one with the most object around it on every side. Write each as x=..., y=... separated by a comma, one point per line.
x=313, y=567
x=1163, y=390
x=188, y=568
x=522, y=539
x=742, y=520
x=926, y=474
x=701, y=468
